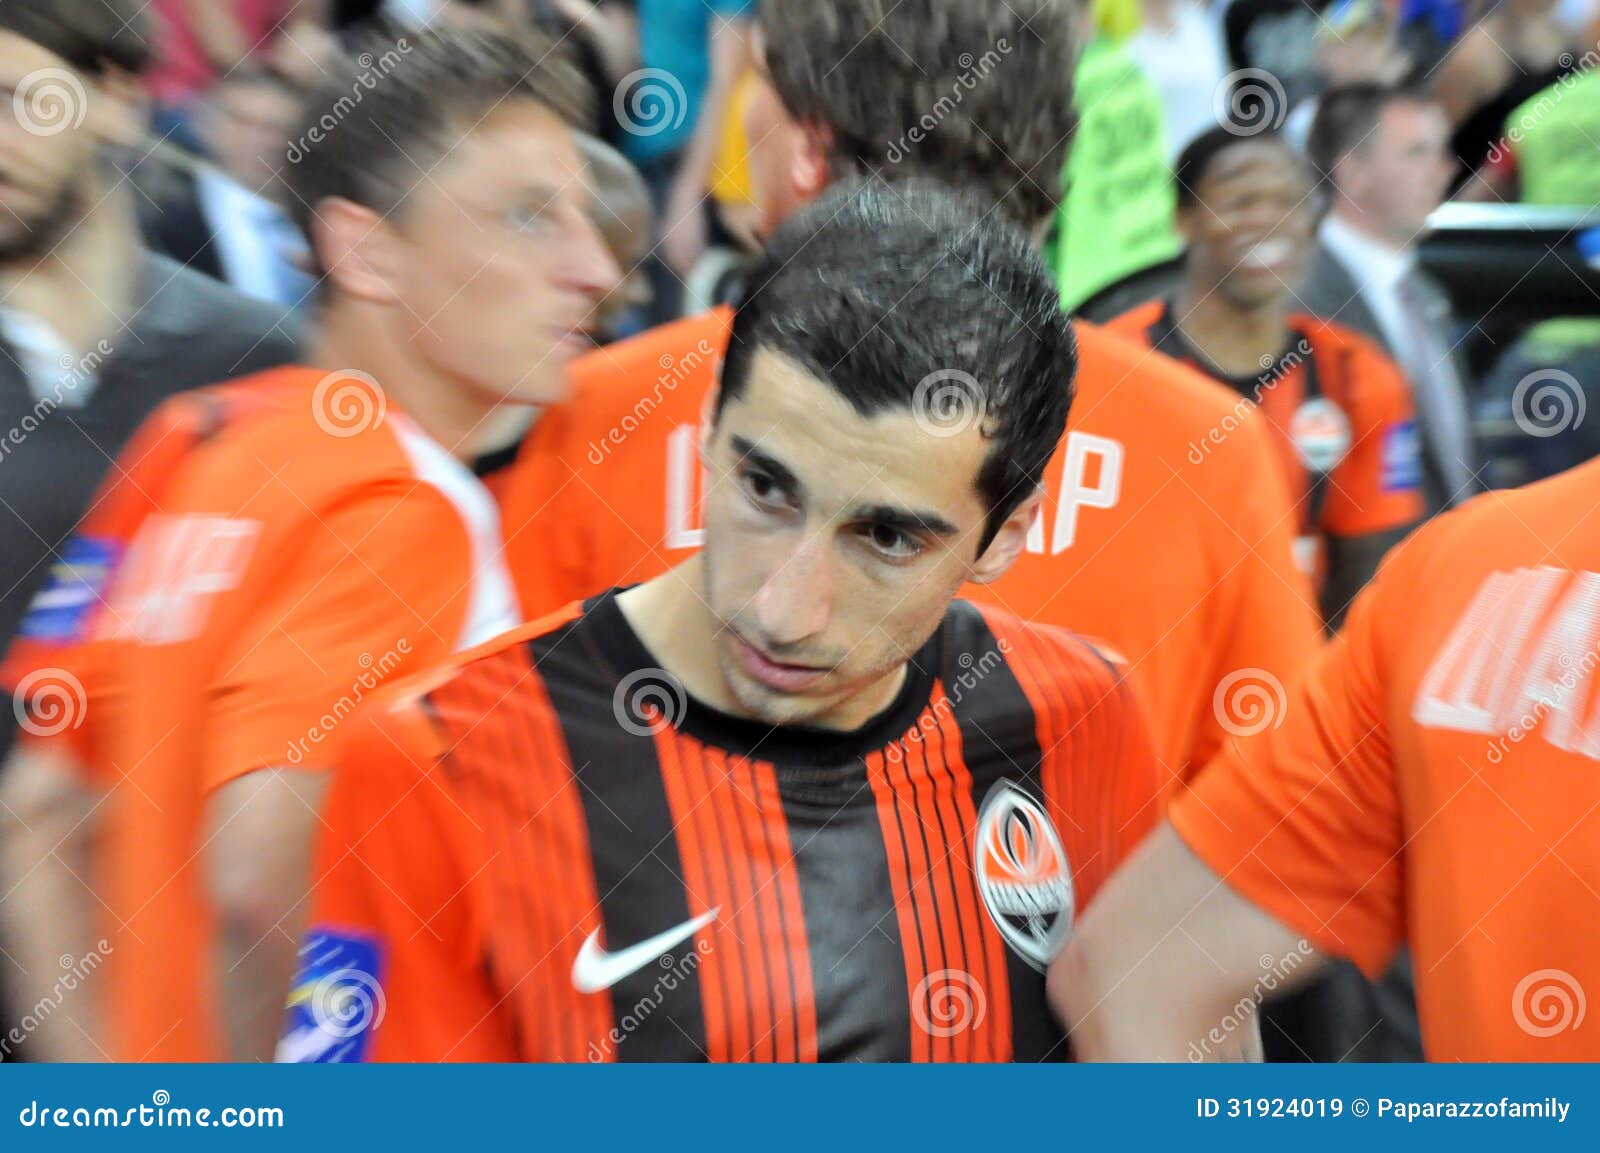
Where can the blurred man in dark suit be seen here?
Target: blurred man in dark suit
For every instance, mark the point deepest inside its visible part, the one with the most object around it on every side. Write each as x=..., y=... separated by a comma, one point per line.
x=1383, y=156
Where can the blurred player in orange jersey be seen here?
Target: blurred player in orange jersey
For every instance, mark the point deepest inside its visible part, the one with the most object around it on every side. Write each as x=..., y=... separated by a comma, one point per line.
x=274, y=548
x=1432, y=783
x=1179, y=560
x=1340, y=409
x=790, y=796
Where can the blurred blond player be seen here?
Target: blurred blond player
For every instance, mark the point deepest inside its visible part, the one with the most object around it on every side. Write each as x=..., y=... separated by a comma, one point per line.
x=278, y=546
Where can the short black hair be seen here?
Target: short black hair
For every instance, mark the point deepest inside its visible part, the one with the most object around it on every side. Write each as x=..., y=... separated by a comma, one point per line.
x=1346, y=118
x=976, y=93
x=1201, y=153
x=90, y=35
x=910, y=295
x=391, y=109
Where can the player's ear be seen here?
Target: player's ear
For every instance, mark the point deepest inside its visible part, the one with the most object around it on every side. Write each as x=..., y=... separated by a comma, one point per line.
x=1008, y=543
x=357, y=248
x=808, y=161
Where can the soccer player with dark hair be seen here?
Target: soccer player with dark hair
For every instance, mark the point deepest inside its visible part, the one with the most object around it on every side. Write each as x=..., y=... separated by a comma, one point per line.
x=276, y=547
x=1165, y=532
x=1339, y=408
x=788, y=801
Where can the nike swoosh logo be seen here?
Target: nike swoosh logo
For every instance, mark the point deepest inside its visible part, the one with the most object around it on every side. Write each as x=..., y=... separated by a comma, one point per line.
x=595, y=969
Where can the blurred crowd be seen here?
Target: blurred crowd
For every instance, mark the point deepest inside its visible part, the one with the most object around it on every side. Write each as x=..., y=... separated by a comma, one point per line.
x=1488, y=103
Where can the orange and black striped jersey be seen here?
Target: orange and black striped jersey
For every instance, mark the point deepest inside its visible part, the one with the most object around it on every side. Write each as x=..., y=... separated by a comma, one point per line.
x=546, y=850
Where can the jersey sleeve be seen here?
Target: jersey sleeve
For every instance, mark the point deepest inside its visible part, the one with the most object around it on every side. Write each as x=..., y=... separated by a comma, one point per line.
x=58, y=666
x=1100, y=770
x=378, y=587
x=1377, y=487
x=392, y=967
x=1303, y=818
x=1268, y=621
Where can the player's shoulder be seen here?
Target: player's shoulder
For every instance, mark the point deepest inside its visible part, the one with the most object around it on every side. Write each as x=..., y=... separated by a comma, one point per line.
x=1552, y=521
x=676, y=360
x=462, y=698
x=307, y=438
x=1109, y=359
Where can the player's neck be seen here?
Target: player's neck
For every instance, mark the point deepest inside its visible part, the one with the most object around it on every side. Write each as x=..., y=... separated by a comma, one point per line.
x=1239, y=341
x=353, y=339
x=86, y=286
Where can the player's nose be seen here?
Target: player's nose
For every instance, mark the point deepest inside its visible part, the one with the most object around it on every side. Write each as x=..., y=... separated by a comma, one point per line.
x=592, y=268
x=796, y=601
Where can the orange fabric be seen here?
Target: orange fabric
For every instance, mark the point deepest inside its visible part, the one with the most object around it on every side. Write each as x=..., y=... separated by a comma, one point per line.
x=463, y=852
x=132, y=490
x=271, y=584
x=1370, y=389
x=1432, y=779
x=1187, y=575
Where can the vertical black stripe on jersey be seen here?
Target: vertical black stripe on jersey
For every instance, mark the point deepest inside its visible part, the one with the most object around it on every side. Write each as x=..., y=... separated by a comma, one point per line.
x=637, y=869
x=1000, y=742
x=858, y=967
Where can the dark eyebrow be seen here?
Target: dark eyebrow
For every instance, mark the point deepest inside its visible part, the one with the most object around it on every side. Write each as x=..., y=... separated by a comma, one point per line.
x=780, y=473
x=906, y=520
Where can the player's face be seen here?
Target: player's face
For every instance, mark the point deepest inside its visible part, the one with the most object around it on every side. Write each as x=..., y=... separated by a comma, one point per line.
x=47, y=147
x=1250, y=233
x=502, y=268
x=834, y=544
x=1405, y=172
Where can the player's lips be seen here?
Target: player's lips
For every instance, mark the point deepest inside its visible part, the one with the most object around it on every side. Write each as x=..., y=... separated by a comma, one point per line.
x=575, y=339
x=776, y=675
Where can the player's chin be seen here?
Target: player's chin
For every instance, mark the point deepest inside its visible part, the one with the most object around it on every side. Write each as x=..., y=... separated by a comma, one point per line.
x=547, y=379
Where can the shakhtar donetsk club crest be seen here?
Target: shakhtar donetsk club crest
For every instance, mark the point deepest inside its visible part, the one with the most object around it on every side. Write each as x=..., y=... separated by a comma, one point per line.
x=1023, y=874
